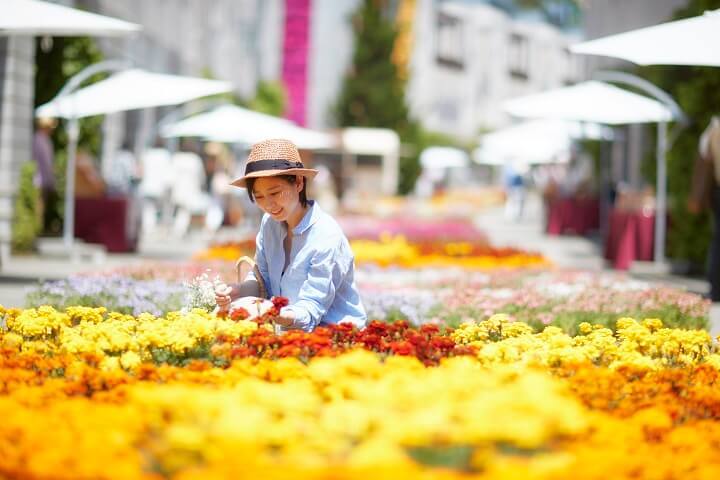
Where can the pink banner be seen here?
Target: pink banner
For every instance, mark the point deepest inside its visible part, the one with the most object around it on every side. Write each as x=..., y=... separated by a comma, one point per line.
x=296, y=45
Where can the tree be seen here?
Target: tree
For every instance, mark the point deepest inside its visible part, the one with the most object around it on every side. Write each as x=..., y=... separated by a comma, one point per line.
x=697, y=90
x=270, y=98
x=373, y=94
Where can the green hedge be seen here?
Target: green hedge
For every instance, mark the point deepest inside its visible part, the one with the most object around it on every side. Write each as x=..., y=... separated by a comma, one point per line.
x=27, y=218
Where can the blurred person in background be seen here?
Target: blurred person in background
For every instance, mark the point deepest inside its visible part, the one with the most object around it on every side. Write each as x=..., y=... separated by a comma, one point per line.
x=217, y=184
x=705, y=194
x=324, y=190
x=88, y=181
x=155, y=185
x=547, y=178
x=44, y=156
x=188, y=193
x=122, y=179
x=515, y=189
x=123, y=173
x=577, y=181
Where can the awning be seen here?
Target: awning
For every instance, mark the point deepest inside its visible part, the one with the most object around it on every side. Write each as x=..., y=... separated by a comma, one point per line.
x=33, y=17
x=443, y=157
x=131, y=90
x=370, y=141
x=692, y=41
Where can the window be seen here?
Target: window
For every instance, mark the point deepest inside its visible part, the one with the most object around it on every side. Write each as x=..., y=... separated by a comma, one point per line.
x=519, y=57
x=449, y=47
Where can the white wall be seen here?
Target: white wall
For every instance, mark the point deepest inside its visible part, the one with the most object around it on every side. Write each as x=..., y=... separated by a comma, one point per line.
x=607, y=17
x=463, y=100
x=16, y=124
x=330, y=56
x=237, y=40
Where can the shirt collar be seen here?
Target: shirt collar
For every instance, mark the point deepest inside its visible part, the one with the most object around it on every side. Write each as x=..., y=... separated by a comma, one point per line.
x=311, y=216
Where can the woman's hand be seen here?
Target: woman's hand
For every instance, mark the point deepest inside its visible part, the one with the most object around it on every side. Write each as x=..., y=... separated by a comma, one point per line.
x=286, y=318
x=224, y=296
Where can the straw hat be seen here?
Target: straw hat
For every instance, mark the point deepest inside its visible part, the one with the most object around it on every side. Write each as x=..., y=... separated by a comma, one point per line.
x=274, y=157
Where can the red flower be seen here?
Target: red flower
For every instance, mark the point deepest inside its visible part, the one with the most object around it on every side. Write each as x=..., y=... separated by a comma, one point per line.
x=280, y=302
x=328, y=352
x=240, y=351
x=415, y=338
x=429, y=329
x=399, y=326
x=239, y=314
x=319, y=342
x=288, y=351
x=402, y=348
x=377, y=328
x=261, y=338
x=323, y=331
x=442, y=343
x=371, y=340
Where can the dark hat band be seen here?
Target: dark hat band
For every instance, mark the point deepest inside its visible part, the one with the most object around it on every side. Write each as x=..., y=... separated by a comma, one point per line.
x=260, y=165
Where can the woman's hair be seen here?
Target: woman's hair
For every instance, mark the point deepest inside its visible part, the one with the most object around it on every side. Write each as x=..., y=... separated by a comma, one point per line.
x=291, y=179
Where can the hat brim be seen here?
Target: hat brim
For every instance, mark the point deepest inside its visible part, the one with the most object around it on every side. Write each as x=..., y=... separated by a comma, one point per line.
x=308, y=173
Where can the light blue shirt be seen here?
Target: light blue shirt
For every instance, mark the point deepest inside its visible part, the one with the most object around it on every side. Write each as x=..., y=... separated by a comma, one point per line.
x=319, y=280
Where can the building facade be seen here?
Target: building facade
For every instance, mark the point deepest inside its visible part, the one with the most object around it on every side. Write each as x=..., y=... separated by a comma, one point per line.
x=470, y=57
x=17, y=61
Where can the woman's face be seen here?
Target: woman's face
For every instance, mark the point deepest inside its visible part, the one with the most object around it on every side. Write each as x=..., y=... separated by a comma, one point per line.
x=277, y=197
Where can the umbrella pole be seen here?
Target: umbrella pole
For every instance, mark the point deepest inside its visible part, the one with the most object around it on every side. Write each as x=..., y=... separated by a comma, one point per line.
x=69, y=223
x=661, y=204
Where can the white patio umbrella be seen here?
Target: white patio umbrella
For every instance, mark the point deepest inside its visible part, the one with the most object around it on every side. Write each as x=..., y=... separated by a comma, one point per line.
x=692, y=41
x=33, y=17
x=126, y=90
x=443, y=157
x=595, y=102
x=130, y=90
x=233, y=124
x=535, y=141
x=602, y=103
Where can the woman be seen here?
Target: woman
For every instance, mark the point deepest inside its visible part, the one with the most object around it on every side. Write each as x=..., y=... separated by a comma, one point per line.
x=301, y=252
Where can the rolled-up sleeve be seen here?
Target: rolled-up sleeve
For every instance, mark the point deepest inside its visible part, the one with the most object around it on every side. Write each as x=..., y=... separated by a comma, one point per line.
x=261, y=260
x=326, y=273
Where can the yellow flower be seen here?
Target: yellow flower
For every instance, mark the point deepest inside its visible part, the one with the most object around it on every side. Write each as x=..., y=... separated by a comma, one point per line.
x=585, y=328
x=130, y=360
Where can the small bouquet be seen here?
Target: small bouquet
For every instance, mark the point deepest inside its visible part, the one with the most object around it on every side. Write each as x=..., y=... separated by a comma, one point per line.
x=201, y=292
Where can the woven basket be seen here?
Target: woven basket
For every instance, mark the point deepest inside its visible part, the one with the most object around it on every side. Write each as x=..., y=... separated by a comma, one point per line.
x=243, y=267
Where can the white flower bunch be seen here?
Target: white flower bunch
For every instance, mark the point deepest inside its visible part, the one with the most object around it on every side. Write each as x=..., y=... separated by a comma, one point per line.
x=201, y=292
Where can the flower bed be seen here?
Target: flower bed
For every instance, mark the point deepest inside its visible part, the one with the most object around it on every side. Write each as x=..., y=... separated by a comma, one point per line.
x=398, y=251
x=413, y=228
x=119, y=293
x=230, y=399
x=539, y=297
x=444, y=296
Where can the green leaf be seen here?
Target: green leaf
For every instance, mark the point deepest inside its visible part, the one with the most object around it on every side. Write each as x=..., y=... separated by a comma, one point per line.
x=456, y=457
